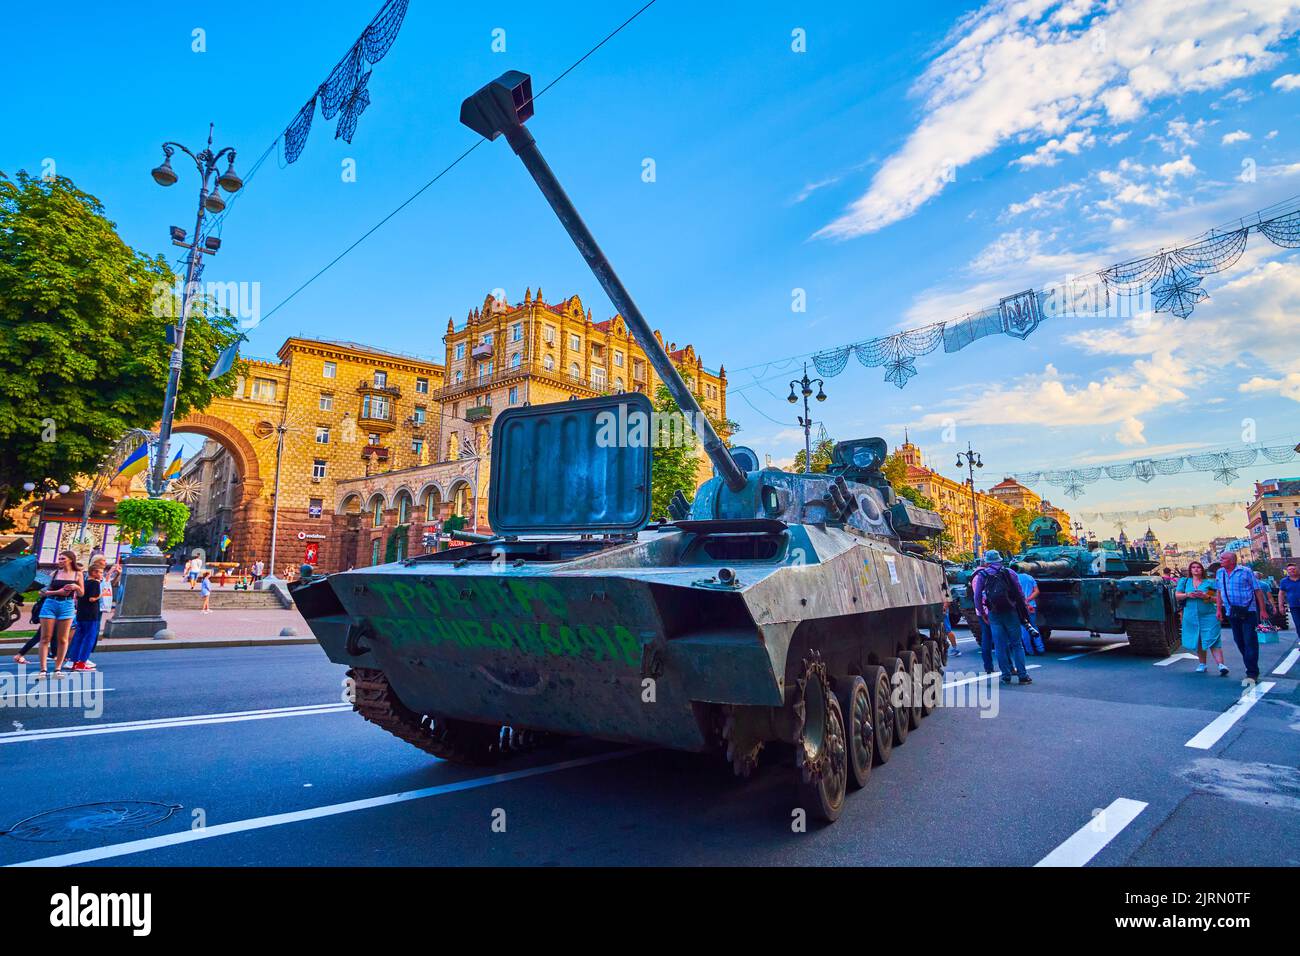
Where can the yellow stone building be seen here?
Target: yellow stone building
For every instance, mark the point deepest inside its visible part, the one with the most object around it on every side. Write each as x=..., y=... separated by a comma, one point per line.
x=380, y=446
x=954, y=502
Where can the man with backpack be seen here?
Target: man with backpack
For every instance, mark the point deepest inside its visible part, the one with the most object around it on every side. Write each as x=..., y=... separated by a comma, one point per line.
x=1001, y=607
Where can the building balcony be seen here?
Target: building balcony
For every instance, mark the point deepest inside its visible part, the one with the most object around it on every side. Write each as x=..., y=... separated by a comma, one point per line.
x=518, y=373
x=481, y=351
x=377, y=452
x=478, y=413
x=368, y=387
x=370, y=422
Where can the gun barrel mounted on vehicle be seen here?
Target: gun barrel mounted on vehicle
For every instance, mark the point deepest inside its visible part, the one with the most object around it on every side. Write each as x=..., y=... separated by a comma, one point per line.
x=502, y=107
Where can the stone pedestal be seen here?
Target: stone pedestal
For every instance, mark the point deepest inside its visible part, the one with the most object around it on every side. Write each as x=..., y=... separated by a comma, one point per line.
x=140, y=613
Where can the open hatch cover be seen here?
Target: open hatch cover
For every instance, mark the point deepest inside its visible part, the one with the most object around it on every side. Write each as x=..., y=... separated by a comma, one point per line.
x=578, y=467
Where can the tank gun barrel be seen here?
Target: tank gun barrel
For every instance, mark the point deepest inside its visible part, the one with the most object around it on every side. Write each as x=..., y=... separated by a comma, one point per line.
x=502, y=107
x=1046, y=569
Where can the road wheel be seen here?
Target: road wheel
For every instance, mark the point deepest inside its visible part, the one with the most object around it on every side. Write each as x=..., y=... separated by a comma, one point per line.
x=859, y=728
x=897, y=690
x=930, y=665
x=877, y=680
x=910, y=663
x=940, y=652
x=821, y=753
x=1046, y=634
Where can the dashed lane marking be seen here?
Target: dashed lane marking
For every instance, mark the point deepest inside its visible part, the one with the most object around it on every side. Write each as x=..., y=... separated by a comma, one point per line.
x=1174, y=659
x=169, y=723
x=1211, y=735
x=1092, y=837
x=314, y=813
x=1288, y=662
x=971, y=680
x=1095, y=650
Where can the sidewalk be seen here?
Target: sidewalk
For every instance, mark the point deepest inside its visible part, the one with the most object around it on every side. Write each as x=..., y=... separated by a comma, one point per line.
x=232, y=627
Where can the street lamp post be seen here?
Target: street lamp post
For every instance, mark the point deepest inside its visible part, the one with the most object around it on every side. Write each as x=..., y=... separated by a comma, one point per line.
x=971, y=462
x=209, y=201
x=805, y=386
x=139, y=614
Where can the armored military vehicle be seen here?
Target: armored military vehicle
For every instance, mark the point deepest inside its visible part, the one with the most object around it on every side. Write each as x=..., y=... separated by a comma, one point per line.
x=18, y=574
x=772, y=607
x=1099, y=590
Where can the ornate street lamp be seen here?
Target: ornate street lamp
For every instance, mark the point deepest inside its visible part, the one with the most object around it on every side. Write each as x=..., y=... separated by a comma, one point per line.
x=972, y=461
x=805, y=387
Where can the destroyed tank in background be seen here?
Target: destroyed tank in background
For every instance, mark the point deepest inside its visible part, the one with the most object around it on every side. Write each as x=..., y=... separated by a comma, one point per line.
x=1099, y=590
x=773, y=607
x=18, y=575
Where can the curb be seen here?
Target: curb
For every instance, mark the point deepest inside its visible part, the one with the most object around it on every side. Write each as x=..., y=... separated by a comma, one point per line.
x=108, y=645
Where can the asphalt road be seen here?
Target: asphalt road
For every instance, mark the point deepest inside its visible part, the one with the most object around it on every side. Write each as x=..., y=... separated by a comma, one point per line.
x=258, y=763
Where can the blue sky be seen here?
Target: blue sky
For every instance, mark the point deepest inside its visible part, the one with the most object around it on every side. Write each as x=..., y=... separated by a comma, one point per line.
x=1079, y=133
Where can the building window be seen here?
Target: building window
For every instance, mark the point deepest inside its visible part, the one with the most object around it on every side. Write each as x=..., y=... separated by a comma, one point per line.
x=460, y=377
x=484, y=370
x=377, y=511
x=419, y=416
x=327, y=401
x=514, y=395
x=318, y=469
x=548, y=335
x=403, y=508
x=422, y=386
x=263, y=390
x=618, y=383
x=597, y=377
x=487, y=338
x=329, y=370
x=372, y=438
x=417, y=445
x=375, y=406
x=460, y=351
x=381, y=379
x=315, y=507
x=374, y=551
x=618, y=359
x=322, y=434
x=575, y=372
x=517, y=332
x=575, y=343
x=514, y=360
x=548, y=363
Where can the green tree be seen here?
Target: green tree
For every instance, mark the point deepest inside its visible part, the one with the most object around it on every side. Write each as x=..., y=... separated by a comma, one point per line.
x=82, y=321
x=1021, y=519
x=821, y=456
x=1000, y=533
x=673, y=463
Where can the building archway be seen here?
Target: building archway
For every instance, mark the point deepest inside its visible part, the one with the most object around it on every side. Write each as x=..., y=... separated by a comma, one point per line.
x=250, y=516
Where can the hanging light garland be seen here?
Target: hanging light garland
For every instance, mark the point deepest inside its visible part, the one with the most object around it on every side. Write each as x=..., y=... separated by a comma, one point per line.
x=1215, y=511
x=1170, y=281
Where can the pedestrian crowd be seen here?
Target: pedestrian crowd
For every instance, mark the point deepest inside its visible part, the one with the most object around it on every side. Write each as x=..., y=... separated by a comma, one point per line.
x=68, y=613
x=1007, y=617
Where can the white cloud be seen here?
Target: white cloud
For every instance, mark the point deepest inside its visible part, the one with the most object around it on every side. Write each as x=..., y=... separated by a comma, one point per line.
x=1271, y=134
x=1182, y=167
x=1049, y=200
x=1236, y=136
x=1287, y=82
x=1049, y=153
x=1026, y=70
x=1288, y=386
x=1130, y=432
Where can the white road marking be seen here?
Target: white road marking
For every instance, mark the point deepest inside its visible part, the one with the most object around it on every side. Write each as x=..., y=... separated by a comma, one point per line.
x=314, y=813
x=1288, y=662
x=1208, y=737
x=967, y=640
x=1095, y=650
x=61, y=690
x=169, y=723
x=1092, y=837
x=1175, y=658
x=971, y=680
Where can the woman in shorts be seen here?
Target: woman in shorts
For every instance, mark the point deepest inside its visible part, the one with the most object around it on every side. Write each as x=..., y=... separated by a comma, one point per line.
x=58, y=607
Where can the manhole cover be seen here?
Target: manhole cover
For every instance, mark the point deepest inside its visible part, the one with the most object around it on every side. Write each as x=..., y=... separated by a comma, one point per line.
x=88, y=819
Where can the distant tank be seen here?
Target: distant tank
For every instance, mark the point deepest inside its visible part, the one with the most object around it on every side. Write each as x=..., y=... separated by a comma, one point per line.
x=18, y=575
x=1099, y=590
x=774, y=607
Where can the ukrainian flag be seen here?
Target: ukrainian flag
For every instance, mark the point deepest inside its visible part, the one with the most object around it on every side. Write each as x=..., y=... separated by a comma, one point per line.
x=174, y=468
x=136, y=462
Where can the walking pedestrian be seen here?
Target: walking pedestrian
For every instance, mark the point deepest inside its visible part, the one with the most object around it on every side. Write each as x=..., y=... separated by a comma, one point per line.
x=1000, y=604
x=1029, y=588
x=1202, y=631
x=949, y=636
x=85, y=629
x=58, y=606
x=205, y=588
x=1239, y=601
x=190, y=577
x=1289, y=594
x=258, y=568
